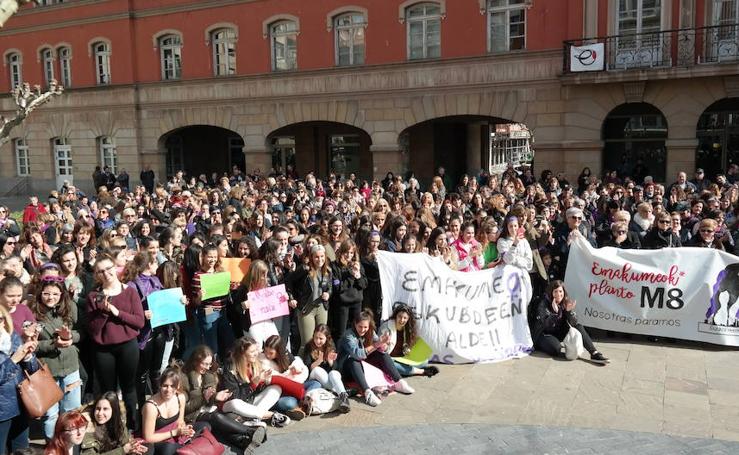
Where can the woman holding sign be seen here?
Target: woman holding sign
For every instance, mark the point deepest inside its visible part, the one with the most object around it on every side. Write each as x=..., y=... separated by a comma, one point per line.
x=210, y=302
x=256, y=279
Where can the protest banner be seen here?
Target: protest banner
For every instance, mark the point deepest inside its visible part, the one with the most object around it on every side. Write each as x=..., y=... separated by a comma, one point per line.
x=268, y=303
x=166, y=307
x=463, y=317
x=686, y=293
x=237, y=267
x=215, y=284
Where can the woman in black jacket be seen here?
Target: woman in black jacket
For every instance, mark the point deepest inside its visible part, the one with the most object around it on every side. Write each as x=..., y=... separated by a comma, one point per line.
x=661, y=234
x=311, y=288
x=349, y=283
x=555, y=315
x=369, y=244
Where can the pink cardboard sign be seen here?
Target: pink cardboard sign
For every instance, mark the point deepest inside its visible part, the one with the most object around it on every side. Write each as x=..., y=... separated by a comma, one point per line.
x=268, y=303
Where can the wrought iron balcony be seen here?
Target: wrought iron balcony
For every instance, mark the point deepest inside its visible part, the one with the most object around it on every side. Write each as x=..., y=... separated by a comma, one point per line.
x=664, y=49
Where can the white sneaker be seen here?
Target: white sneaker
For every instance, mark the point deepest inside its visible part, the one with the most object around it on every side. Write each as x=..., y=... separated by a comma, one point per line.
x=403, y=387
x=371, y=399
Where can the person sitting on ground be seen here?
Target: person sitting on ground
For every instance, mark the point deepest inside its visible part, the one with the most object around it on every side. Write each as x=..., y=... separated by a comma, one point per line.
x=319, y=354
x=361, y=344
x=68, y=434
x=555, y=315
x=403, y=336
x=107, y=434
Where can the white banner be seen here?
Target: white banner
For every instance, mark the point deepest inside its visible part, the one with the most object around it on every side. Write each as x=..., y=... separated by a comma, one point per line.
x=590, y=57
x=687, y=293
x=464, y=317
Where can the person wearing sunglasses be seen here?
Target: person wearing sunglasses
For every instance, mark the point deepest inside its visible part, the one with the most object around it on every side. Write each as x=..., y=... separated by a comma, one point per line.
x=706, y=237
x=8, y=226
x=565, y=234
x=661, y=234
x=620, y=237
x=7, y=246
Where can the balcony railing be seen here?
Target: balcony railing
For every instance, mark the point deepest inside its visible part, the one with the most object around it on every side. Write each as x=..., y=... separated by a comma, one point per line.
x=664, y=49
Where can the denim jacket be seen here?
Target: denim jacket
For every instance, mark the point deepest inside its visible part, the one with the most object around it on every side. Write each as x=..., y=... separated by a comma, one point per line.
x=11, y=374
x=351, y=347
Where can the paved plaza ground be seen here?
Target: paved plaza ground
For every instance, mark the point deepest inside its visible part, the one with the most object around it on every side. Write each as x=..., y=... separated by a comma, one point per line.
x=653, y=398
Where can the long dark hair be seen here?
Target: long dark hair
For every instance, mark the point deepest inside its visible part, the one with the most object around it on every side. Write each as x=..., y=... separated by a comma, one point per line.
x=554, y=285
x=63, y=309
x=278, y=344
x=199, y=354
x=410, y=332
x=111, y=433
x=62, y=251
x=366, y=315
x=311, y=347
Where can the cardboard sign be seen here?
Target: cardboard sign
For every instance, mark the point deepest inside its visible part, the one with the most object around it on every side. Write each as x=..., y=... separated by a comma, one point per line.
x=166, y=307
x=268, y=303
x=237, y=267
x=215, y=284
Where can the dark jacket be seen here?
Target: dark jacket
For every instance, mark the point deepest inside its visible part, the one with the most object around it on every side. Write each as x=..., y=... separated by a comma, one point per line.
x=347, y=290
x=194, y=392
x=300, y=285
x=11, y=374
x=241, y=389
x=351, y=347
x=656, y=239
x=549, y=322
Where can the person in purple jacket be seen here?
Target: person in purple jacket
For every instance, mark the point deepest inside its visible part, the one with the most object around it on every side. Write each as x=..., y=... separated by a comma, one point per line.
x=115, y=318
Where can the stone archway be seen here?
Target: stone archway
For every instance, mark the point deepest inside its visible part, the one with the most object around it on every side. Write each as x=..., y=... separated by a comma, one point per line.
x=202, y=149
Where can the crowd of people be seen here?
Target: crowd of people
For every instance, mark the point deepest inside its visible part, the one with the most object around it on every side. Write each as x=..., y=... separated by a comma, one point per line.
x=76, y=271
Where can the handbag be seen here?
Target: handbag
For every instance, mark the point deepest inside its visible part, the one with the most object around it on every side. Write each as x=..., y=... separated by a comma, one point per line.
x=573, y=344
x=203, y=443
x=39, y=392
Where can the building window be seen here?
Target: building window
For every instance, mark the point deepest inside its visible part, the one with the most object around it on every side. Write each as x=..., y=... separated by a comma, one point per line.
x=47, y=60
x=350, y=40
x=224, y=52
x=283, y=153
x=22, y=163
x=507, y=25
x=63, y=168
x=108, y=154
x=49, y=2
x=344, y=154
x=102, y=63
x=175, y=158
x=424, y=31
x=284, y=38
x=65, y=65
x=16, y=74
x=639, y=43
x=722, y=40
x=170, y=54
x=718, y=137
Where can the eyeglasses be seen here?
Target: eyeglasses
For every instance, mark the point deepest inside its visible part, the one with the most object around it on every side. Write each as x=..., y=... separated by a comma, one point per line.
x=576, y=218
x=75, y=430
x=107, y=269
x=707, y=231
x=663, y=221
x=620, y=232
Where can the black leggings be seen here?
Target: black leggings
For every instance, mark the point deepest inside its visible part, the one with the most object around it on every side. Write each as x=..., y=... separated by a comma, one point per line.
x=340, y=318
x=353, y=368
x=150, y=360
x=550, y=343
x=114, y=367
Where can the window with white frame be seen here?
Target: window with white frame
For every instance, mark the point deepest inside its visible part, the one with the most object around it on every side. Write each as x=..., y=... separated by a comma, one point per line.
x=284, y=41
x=108, y=154
x=224, y=51
x=424, y=31
x=47, y=61
x=102, y=62
x=22, y=162
x=506, y=25
x=65, y=66
x=725, y=15
x=15, y=63
x=350, y=39
x=170, y=54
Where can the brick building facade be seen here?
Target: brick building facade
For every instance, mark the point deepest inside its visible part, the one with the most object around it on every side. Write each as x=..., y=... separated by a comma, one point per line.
x=369, y=86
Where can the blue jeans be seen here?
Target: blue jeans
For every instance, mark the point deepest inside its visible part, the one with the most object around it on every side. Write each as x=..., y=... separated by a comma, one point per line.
x=216, y=331
x=286, y=403
x=15, y=432
x=407, y=370
x=72, y=399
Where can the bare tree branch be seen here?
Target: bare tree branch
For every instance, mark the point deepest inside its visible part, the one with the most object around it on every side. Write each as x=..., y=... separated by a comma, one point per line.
x=10, y=7
x=26, y=100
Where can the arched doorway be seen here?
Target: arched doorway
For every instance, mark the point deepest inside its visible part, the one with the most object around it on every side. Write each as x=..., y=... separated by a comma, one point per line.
x=718, y=137
x=634, y=135
x=202, y=149
x=321, y=147
x=465, y=144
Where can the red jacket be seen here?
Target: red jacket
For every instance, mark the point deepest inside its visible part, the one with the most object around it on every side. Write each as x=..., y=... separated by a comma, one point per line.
x=31, y=212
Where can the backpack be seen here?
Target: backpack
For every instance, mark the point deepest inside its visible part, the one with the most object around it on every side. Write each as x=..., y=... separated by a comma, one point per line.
x=320, y=401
